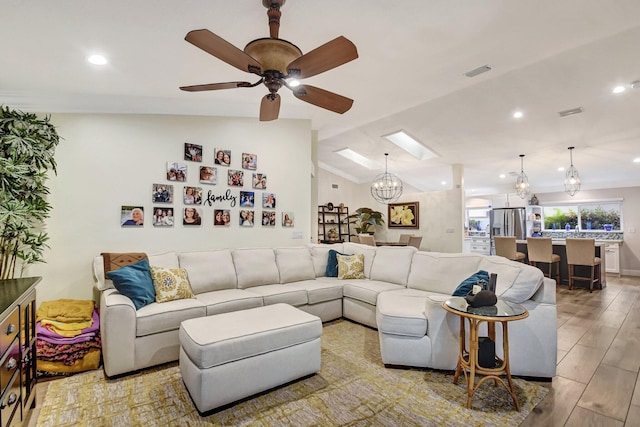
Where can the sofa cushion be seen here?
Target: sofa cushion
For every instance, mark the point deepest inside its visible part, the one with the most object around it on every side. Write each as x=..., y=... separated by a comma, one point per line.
x=209, y=270
x=440, y=272
x=517, y=282
x=320, y=290
x=167, y=260
x=273, y=294
x=332, y=263
x=402, y=312
x=467, y=284
x=171, y=284
x=350, y=266
x=319, y=254
x=155, y=318
x=227, y=300
x=294, y=264
x=369, y=253
x=255, y=267
x=134, y=281
x=367, y=290
x=392, y=264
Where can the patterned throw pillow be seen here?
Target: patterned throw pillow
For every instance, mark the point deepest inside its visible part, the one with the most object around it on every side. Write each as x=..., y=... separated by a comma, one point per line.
x=350, y=266
x=171, y=284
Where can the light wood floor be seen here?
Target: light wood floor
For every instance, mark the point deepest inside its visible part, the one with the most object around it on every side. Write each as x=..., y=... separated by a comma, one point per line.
x=597, y=381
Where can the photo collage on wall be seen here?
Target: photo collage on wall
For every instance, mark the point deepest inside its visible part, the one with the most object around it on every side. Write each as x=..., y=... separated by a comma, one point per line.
x=204, y=186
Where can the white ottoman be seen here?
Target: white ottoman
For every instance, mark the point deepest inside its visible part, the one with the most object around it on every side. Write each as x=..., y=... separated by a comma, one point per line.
x=230, y=356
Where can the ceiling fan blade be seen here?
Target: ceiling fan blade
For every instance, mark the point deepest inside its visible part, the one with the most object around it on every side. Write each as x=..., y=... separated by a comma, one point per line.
x=323, y=98
x=215, y=86
x=222, y=49
x=269, y=107
x=326, y=57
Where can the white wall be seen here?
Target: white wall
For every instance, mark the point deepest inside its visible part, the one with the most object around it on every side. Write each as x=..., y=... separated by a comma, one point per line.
x=106, y=161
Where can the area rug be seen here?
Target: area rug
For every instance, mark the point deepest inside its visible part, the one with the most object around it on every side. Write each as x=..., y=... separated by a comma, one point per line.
x=353, y=388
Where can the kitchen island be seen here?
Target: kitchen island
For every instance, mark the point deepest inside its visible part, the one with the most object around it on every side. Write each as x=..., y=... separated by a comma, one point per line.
x=560, y=248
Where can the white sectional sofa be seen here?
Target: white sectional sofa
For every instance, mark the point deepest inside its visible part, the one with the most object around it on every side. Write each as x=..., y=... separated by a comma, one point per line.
x=401, y=296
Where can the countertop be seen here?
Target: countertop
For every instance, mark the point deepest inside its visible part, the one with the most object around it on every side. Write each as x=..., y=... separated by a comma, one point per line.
x=563, y=241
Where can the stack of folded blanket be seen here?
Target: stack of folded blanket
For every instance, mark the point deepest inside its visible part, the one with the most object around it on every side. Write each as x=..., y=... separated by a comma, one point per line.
x=68, y=337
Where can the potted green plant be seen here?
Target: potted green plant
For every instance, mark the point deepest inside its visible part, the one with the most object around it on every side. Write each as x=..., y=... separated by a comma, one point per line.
x=365, y=219
x=27, y=147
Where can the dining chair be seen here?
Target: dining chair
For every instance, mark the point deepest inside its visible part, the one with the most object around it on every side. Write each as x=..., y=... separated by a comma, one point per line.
x=540, y=250
x=404, y=238
x=583, y=252
x=506, y=247
x=367, y=239
x=354, y=239
x=415, y=241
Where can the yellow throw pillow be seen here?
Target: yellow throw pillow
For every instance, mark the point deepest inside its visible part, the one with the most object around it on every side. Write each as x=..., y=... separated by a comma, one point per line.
x=171, y=284
x=350, y=266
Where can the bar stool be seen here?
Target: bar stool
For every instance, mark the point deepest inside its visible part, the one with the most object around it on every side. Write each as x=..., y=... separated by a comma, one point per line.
x=540, y=249
x=506, y=247
x=582, y=252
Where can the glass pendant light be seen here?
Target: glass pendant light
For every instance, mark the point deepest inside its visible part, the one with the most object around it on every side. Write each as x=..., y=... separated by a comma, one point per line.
x=522, y=183
x=572, y=177
x=386, y=187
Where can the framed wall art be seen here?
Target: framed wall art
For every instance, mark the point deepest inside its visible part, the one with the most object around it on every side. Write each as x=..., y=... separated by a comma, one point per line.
x=404, y=215
x=287, y=219
x=235, y=178
x=249, y=161
x=192, y=152
x=222, y=157
x=163, y=217
x=162, y=193
x=132, y=216
x=176, y=171
x=208, y=175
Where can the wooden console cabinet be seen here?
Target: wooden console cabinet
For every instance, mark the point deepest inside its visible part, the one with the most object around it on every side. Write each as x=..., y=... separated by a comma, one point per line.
x=17, y=349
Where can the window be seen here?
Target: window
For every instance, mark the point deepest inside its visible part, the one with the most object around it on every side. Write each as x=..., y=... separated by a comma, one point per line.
x=589, y=216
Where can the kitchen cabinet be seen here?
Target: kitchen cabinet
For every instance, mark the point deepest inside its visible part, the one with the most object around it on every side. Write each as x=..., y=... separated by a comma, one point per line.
x=17, y=349
x=333, y=224
x=612, y=255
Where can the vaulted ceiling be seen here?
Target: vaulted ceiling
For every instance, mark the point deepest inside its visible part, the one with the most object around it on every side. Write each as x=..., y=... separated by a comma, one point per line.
x=546, y=56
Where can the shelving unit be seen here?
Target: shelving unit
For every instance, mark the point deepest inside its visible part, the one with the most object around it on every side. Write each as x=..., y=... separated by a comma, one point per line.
x=333, y=217
x=534, y=220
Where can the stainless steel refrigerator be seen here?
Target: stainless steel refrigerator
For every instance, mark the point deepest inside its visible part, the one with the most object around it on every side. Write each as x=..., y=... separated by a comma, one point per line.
x=507, y=222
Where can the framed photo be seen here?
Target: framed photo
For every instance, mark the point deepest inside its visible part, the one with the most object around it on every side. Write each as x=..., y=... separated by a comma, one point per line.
x=192, y=216
x=132, y=216
x=259, y=181
x=287, y=219
x=249, y=161
x=176, y=171
x=162, y=193
x=192, y=196
x=246, y=218
x=268, y=200
x=222, y=217
x=404, y=215
x=163, y=217
x=192, y=152
x=222, y=157
x=247, y=199
x=269, y=218
x=235, y=178
x=208, y=175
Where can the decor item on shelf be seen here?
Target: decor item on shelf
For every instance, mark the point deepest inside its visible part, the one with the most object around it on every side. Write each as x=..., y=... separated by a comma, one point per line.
x=386, y=187
x=27, y=147
x=278, y=63
x=332, y=234
x=405, y=215
x=522, y=183
x=571, y=177
x=534, y=201
x=364, y=218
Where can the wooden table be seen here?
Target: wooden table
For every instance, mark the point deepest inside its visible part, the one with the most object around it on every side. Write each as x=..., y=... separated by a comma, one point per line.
x=503, y=312
x=390, y=244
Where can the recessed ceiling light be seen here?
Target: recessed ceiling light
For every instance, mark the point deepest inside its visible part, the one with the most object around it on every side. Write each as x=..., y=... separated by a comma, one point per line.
x=97, y=59
x=410, y=145
x=503, y=176
x=517, y=114
x=561, y=169
x=618, y=89
x=358, y=158
x=636, y=160
x=443, y=182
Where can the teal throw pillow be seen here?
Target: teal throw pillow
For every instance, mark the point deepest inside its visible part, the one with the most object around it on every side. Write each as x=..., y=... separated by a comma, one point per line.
x=332, y=263
x=134, y=281
x=466, y=286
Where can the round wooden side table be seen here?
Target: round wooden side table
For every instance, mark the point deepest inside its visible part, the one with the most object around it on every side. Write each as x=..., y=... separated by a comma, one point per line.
x=503, y=312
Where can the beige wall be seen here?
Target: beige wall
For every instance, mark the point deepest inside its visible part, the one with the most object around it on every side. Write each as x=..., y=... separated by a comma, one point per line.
x=106, y=161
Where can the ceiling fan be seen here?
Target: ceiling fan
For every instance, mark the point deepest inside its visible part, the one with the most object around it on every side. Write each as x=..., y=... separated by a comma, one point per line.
x=278, y=63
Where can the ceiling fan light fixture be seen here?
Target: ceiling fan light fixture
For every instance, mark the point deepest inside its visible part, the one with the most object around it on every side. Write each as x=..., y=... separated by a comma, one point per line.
x=273, y=54
x=572, y=177
x=386, y=188
x=522, y=182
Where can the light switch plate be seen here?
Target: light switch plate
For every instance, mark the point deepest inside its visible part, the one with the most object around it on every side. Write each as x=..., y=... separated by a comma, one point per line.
x=296, y=235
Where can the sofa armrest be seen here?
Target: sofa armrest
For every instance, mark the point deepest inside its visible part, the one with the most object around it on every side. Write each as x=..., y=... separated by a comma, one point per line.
x=443, y=329
x=546, y=294
x=118, y=332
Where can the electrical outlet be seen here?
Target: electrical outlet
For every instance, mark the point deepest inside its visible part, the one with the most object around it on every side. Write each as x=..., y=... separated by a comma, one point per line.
x=632, y=229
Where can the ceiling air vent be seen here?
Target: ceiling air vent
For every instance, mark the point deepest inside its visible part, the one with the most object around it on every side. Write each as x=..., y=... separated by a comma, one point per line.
x=478, y=70
x=570, y=112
